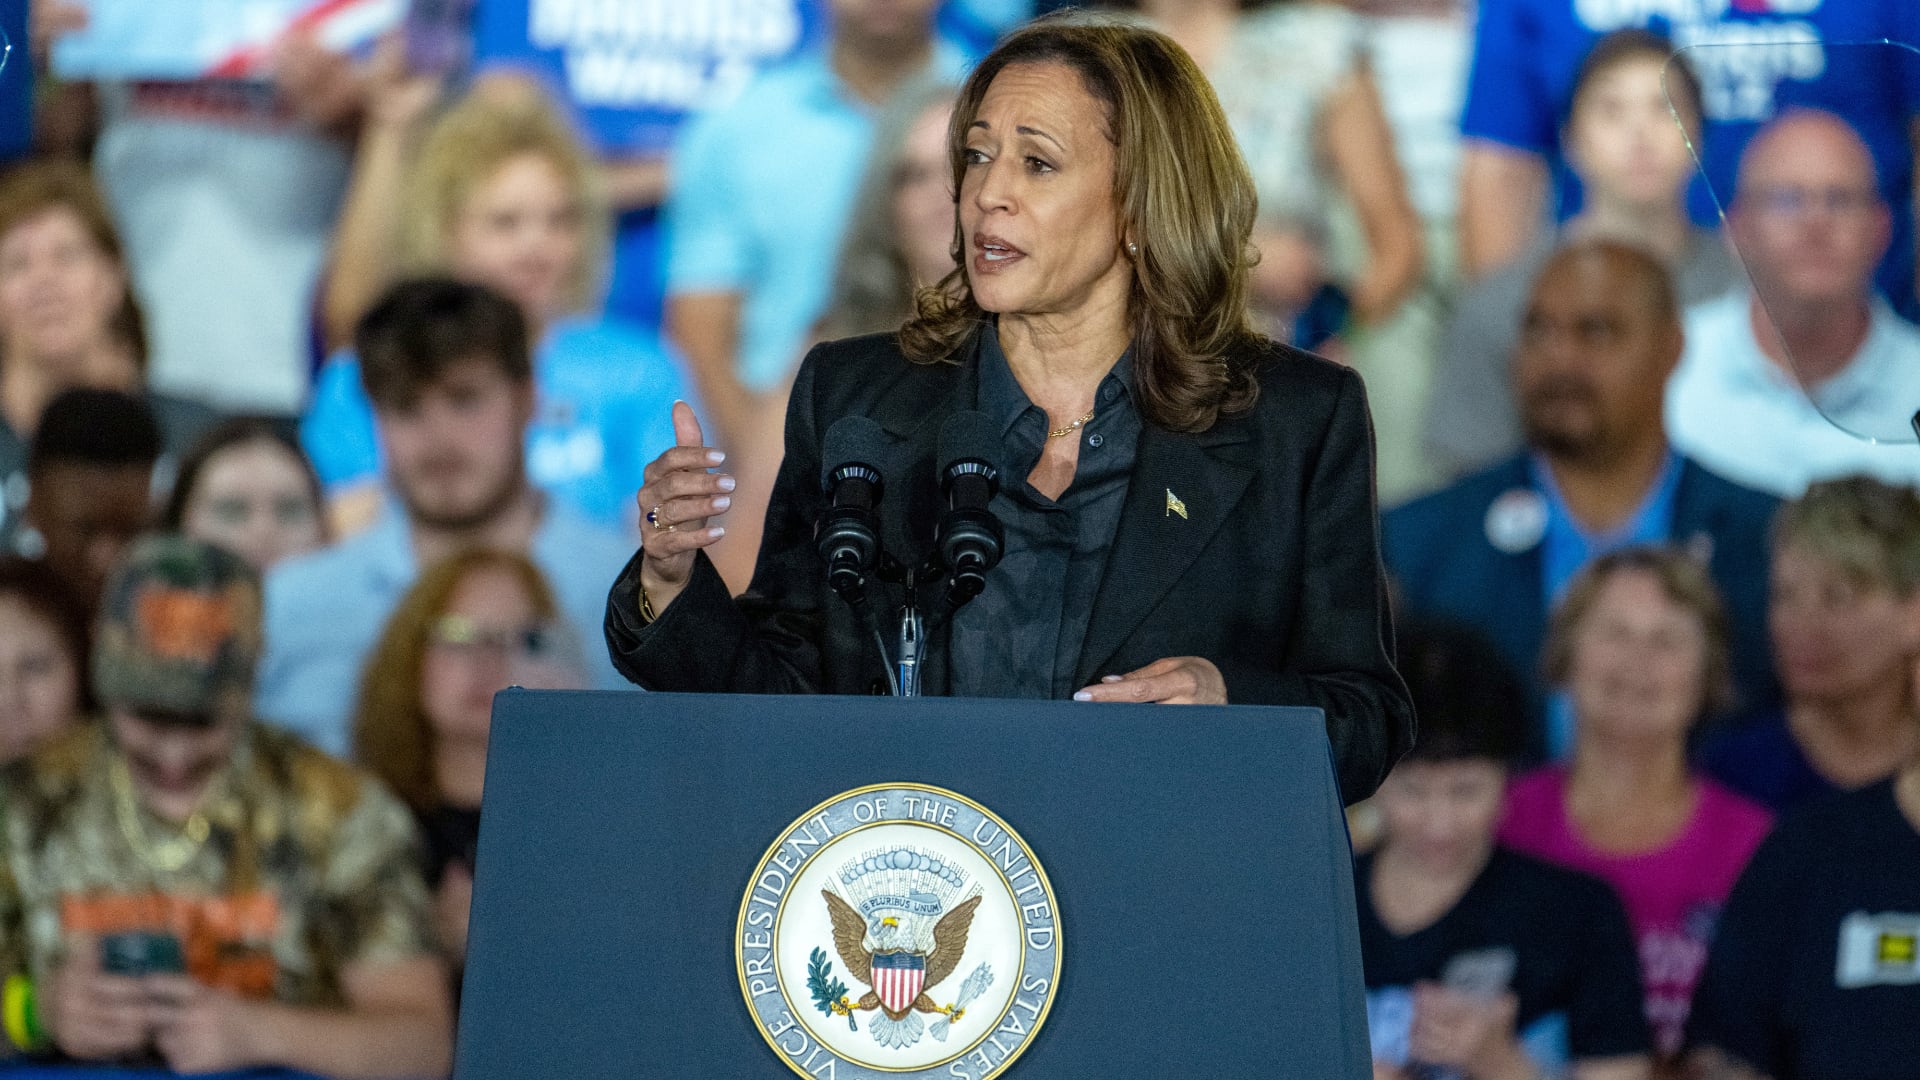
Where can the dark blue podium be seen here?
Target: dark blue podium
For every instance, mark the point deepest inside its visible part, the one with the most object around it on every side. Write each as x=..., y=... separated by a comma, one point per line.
x=1197, y=855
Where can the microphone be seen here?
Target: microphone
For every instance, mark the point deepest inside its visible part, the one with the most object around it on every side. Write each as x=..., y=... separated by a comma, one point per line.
x=848, y=535
x=970, y=539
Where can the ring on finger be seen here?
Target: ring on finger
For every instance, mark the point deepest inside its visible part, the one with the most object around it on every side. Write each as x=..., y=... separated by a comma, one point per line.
x=653, y=518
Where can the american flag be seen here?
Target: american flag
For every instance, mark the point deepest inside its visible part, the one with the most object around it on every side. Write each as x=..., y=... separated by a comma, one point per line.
x=340, y=25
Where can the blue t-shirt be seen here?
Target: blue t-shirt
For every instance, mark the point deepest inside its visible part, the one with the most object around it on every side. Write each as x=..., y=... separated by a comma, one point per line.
x=762, y=191
x=1528, y=52
x=605, y=409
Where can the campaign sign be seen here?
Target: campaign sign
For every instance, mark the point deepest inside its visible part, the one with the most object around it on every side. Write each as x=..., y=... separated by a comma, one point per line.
x=633, y=69
x=211, y=39
x=16, y=85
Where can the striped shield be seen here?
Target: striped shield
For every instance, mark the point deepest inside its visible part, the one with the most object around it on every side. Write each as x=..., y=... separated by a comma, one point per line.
x=897, y=977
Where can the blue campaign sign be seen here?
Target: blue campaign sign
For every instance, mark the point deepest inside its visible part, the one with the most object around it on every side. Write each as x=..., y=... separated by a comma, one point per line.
x=633, y=69
x=16, y=83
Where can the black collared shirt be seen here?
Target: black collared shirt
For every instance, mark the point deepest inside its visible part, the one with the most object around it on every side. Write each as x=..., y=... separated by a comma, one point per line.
x=1022, y=636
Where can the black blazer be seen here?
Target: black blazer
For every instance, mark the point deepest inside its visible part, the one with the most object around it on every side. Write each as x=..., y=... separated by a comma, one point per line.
x=1274, y=573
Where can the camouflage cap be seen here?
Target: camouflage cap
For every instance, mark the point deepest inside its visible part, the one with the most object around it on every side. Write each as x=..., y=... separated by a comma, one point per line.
x=179, y=632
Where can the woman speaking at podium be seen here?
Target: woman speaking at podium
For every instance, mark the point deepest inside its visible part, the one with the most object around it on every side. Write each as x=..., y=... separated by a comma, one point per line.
x=1187, y=507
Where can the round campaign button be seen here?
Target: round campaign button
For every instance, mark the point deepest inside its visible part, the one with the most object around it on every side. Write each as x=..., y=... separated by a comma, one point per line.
x=1516, y=521
x=899, y=930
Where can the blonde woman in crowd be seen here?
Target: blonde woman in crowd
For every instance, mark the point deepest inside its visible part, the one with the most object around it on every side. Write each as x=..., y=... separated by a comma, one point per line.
x=499, y=192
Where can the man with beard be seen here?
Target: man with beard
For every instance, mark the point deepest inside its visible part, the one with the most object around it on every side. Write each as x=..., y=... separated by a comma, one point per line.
x=1600, y=337
x=447, y=368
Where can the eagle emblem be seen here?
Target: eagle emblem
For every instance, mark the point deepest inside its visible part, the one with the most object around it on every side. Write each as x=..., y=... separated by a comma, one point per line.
x=899, y=930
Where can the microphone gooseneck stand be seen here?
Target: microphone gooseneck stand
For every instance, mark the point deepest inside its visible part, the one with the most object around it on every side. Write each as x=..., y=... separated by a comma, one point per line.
x=968, y=541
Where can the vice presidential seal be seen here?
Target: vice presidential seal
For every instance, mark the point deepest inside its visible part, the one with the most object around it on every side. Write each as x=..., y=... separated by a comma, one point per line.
x=899, y=931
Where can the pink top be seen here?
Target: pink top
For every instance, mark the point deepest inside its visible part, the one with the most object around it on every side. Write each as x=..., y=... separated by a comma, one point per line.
x=1672, y=894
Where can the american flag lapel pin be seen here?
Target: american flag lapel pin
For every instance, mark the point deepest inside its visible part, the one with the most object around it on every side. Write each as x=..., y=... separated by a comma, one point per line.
x=1175, y=506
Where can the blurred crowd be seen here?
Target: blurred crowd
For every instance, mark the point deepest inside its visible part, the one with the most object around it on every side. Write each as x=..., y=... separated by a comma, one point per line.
x=324, y=393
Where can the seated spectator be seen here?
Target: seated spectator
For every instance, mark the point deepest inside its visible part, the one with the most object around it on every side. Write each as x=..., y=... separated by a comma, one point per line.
x=1845, y=618
x=90, y=475
x=901, y=237
x=1773, y=374
x=1641, y=642
x=1497, y=547
x=500, y=193
x=184, y=883
x=473, y=625
x=447, y=368
x=751, y=241
x=1812, y=973
x=246, y=487
x=43, y=659
x=1634, y=166
x=1480, y=961
x=67, y=317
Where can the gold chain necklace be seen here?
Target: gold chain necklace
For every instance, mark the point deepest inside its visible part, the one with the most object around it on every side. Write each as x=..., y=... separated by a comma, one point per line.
x=1070, y=428
x=167, y=856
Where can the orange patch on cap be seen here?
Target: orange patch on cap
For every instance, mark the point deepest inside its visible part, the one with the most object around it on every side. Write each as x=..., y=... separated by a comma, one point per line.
x=181, y=624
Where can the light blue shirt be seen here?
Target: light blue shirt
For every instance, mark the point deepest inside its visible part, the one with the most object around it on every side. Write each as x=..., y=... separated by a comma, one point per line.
x=1732, y=409
x=604, y=409
x=762, y=189
x=324, y=612
x=1565, y=548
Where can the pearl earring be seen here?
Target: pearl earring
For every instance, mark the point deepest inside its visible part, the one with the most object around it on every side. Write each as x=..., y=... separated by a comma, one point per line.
x=1133, y=249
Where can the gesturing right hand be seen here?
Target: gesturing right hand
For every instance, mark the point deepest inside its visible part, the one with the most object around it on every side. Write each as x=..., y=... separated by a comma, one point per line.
x=675, y=501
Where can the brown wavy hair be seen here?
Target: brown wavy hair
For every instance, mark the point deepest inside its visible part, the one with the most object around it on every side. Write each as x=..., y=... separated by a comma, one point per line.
x=392, y=737
x=32, y=189
x=1184, y=196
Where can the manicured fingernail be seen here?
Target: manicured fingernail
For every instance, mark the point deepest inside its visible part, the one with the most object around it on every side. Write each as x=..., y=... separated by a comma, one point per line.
x=715, y=457
x=1083, y=695
x=725, y=483
x=1109, y=678
x=717, y=531
x=722, y=503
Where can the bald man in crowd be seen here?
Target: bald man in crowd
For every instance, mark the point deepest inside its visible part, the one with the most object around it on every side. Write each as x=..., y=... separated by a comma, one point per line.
x=1600, y=337
x=1783, y=383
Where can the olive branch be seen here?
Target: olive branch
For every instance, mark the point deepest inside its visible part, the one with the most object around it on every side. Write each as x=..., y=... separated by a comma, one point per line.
x=829, y=993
